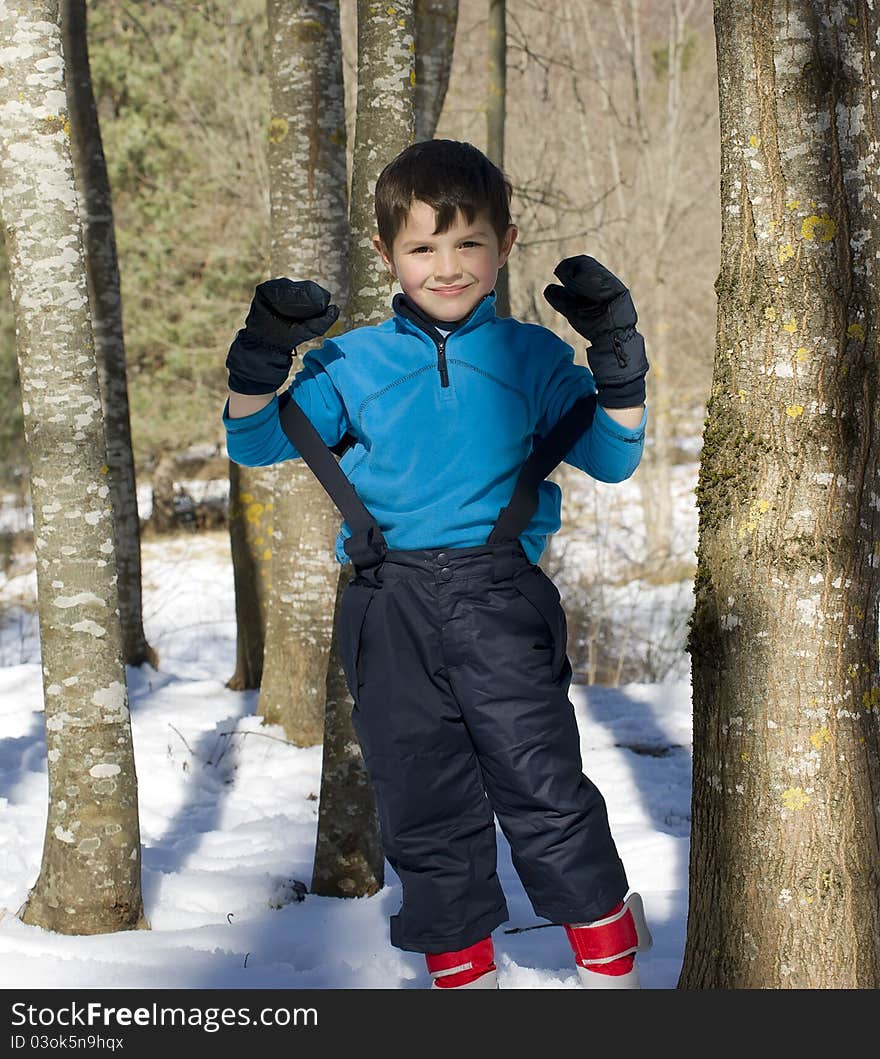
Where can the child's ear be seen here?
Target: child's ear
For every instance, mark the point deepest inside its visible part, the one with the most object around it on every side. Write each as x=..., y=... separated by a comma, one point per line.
x=383, y=253
x=507, y=244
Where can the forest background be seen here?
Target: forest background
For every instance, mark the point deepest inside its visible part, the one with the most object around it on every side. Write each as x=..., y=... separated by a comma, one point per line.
x=621, y=167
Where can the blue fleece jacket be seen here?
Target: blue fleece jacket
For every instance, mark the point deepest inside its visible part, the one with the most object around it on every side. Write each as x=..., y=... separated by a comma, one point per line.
x=442, y=426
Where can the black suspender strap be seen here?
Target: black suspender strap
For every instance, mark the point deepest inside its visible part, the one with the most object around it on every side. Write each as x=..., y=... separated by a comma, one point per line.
x=547, y=454
x=366, y=546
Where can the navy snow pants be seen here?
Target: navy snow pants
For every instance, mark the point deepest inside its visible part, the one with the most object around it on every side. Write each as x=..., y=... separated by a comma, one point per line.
x=456, y=661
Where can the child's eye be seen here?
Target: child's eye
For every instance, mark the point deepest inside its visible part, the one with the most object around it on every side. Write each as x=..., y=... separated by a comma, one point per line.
x=470, y=242
x=419, y=249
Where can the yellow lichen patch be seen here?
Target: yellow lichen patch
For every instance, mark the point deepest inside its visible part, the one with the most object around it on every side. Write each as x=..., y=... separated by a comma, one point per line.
x=785, y=253
x=754, y=141
x=105, y=469
x=852, y=21
x=745, y=757
x=794, y=410
x=757, y=510
x=391, y=10
x=820, y=738
x=852, y=669
x=259, y=542
x=741, y=394
x=277, y=130
x=769, y=313
x=794, y=798
x=871, y=699
x=267, y=554
x=790, y=326
x=860, y=614
x=65, y=124
x=253, y=513
x=821, y=228
x=245, y=498
x=412, y=77
x=802, y=354
x=793, y=205
x=856, y=331
x=772, y=226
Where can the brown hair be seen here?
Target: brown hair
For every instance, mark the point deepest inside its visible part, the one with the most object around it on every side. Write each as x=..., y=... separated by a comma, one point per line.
x=449, y=176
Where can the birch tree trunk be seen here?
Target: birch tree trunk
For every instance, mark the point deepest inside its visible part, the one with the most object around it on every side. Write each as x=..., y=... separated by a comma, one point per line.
x=89, y=879
x=435, y=25
x=784, y=848
x=96, y=205
x=251, y=511
x=383, y=128
x=307, y=180
x=496, y=106
x=348, y=858
x=349, y=861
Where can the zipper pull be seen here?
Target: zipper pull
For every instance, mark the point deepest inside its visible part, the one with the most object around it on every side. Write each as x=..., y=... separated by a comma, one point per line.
x=441, y=363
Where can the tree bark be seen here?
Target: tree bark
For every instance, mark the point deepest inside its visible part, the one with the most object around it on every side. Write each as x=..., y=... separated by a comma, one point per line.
x=496, y=106
x=435, y=26
x=383, y=128
x=89, y=879
x=307, y=180
x=349, y=861
x=96, y=205
x=251, y=514
x=347, y=857
x=784, y=846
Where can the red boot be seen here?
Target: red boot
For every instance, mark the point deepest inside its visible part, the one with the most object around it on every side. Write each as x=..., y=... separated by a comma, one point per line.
x=605, y=949
x=470, y=968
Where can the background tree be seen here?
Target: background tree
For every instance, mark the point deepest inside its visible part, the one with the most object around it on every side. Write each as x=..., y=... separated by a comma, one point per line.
x=89, y=879
x=96, y=205
x=384, y=127
x=348, y=859
x=434, y=29
x=496, y=106
x=251, y=511
x=309, y=240
x=784, y=844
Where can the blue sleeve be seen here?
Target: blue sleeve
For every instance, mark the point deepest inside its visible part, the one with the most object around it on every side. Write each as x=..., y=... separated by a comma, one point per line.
x=257, y=440
x=607, y=450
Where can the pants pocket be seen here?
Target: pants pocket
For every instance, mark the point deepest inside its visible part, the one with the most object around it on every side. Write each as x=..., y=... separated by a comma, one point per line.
x=534, y=586
x=352, y=612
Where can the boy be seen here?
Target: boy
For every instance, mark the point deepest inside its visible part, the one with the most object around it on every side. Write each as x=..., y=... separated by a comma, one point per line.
x=452, y=638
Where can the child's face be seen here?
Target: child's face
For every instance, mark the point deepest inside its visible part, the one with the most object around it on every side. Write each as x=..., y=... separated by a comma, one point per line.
x=447, y=274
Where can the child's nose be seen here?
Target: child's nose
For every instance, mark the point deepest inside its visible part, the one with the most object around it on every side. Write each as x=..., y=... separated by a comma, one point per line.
x=446, y=265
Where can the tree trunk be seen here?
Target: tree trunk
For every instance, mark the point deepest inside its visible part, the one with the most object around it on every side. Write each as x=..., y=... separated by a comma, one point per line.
x=96, y=206
x=307, y=180
x=784, y=848
x=496, y=105
x=383, y=128
x=89, y=880
x=436, y=22
x=349, y=861
x=346, y=855
x=251, y=513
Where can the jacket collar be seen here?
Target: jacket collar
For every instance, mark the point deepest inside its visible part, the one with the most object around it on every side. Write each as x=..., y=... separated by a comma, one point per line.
x=405, y=309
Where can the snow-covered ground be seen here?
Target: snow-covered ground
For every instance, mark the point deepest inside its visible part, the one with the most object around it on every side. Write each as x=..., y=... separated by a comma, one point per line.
x=228, y=809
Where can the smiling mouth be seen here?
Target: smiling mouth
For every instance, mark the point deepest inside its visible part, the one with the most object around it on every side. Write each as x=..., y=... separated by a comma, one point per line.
x=449, y=290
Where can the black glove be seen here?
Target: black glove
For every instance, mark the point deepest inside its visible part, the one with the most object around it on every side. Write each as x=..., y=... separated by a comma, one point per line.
x=283, y=314
x=599, y=307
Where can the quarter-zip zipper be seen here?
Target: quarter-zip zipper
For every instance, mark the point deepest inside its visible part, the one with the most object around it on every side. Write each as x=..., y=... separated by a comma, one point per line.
x=440, y=340
x=441, y=362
